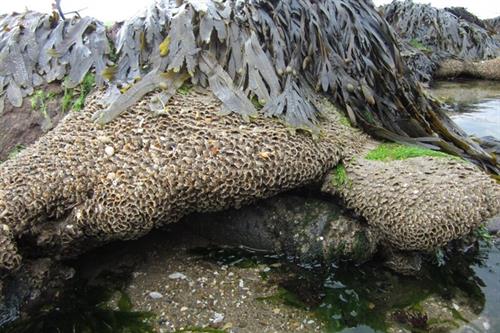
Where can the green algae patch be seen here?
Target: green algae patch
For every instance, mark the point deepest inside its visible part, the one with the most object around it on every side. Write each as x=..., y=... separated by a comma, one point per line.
x=39, y=101
x=75, y=98
x=86, y=87
x=284, y=296
x=344, y=120
x=185, y=89
x=15, y=151
x=339, y=177
x=420, y=46
x=392, y=151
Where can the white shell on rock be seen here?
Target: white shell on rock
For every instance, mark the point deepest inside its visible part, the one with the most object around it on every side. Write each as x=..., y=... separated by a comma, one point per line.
x=177, y=276
x=110, y=151
x=155, y=295
x=218, y=318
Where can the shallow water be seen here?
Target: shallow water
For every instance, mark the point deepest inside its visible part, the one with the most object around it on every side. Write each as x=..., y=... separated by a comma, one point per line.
x=461, y=296
x=473, y=105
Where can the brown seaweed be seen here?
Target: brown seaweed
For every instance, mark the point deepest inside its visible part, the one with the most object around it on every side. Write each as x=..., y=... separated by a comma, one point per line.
x=280, y=53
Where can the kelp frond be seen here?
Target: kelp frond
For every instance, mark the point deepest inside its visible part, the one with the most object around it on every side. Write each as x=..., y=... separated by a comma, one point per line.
x=284, y=53
x=449, y=32
x=494, y=24
x=36, y=48
x=429, y=35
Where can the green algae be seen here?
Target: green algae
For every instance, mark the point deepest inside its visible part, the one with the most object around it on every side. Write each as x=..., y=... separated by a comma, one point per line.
x=482, y=234
x=344, y=120
x=85, y=88
x=339, y=177
x=39, y=101
x=67, y=99
x=75, y=98
x=15, y=151
x=419, y=45
x=185, y=89
x=392, y=151
x=284, y=296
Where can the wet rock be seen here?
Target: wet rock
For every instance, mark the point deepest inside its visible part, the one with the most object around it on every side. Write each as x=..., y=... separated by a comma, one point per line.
x=155, y=295
x=493, y=225
x=29, y=288
x=22, y=126
x=307, y=228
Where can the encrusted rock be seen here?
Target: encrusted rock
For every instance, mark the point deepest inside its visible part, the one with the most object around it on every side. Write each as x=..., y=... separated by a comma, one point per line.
x=485, y=69
x=418, y=203
x=189, y=160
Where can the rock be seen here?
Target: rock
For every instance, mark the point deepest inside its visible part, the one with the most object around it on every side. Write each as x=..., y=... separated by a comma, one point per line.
x=304, y=227
x=493, y=225
x=177, y=276
x=20, y=127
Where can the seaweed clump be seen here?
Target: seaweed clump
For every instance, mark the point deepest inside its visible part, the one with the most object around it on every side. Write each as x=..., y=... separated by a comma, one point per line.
x=442, y=30
x=494, y=23
x=441, y=33
x=279, y=53
x=464, y=14
x=38, y=48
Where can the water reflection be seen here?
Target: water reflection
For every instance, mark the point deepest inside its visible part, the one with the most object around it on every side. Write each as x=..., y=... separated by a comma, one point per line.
x=473, y=105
